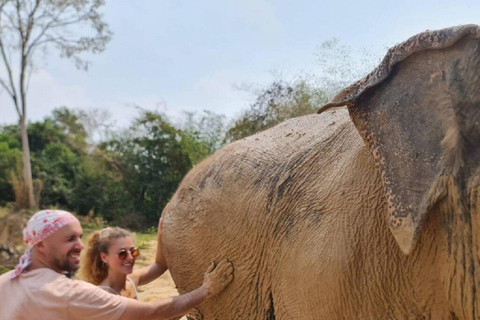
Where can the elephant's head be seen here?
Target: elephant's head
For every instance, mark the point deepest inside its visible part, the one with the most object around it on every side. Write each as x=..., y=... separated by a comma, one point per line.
x=419, y=114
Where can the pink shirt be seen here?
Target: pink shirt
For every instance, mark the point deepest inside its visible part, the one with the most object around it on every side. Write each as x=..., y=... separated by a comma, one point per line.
x=45, y=294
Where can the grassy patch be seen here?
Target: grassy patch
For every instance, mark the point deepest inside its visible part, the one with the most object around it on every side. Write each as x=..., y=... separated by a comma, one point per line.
x=142, y=239
x=3, y=269
x=4, y=212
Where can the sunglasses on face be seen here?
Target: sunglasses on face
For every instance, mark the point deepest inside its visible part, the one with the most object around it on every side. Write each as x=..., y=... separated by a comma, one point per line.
x=123, y=254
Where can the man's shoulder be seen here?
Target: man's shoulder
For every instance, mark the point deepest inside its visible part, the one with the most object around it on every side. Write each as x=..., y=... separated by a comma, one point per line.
x=6, y=276
x=32, y=279
x=41, y=275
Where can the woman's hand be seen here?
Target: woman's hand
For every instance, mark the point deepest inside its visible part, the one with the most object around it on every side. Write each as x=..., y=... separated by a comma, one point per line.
x=160, y=258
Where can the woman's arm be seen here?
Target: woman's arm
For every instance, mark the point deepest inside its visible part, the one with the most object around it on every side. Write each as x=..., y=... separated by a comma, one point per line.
x=147, y=274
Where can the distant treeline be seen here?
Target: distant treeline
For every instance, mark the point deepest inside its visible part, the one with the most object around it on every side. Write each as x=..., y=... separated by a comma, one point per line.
x=82, y=164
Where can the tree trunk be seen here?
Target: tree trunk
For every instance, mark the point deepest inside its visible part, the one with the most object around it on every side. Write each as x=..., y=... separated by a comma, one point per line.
x=27, y=169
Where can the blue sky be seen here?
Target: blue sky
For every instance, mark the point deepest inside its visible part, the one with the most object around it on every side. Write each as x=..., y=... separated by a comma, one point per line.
x=189, y=55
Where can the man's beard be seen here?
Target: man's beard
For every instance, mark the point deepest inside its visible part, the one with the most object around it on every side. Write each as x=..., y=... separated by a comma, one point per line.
x=66, y=265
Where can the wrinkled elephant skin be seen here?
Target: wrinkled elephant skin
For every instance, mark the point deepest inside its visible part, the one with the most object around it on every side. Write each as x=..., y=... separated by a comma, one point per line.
x=369, y=211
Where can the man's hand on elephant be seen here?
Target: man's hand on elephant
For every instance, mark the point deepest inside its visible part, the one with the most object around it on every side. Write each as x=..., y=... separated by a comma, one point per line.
x=217, y=278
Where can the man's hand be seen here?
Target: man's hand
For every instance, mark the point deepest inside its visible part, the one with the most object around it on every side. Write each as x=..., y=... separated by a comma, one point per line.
x=214, y=282
x=216, y=279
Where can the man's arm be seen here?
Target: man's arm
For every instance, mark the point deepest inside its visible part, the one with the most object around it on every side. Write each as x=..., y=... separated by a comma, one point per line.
x=215, y=281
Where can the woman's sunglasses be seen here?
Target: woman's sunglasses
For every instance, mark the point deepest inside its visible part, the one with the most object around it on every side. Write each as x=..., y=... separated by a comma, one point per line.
x=123, y=254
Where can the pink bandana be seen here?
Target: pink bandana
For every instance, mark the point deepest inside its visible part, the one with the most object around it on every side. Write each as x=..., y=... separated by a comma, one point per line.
x=40, y=226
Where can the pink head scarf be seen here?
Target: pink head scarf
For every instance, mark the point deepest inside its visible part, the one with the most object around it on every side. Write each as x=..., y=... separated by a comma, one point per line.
x=40, y=226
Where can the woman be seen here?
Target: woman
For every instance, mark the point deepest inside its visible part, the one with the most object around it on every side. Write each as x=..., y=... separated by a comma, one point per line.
x=110, y=258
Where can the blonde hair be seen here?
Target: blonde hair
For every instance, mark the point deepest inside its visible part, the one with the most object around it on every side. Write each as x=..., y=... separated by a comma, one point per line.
x=93, y=269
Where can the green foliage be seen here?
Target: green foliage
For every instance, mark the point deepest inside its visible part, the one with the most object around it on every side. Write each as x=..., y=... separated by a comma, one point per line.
x=143, y=239
x=69, y=124
x=126, y=180
x=205, y=132
x=57, y=147
x=196, y=149
x=151, y=159
x=100, y=189
x=58, y=167
x=10, y=160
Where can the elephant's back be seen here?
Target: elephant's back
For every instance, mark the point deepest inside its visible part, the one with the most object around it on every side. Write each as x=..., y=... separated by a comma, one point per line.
x=237, y=202
x=283, y=148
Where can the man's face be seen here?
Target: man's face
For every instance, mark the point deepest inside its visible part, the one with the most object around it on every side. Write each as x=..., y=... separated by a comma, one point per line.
x=63, y=247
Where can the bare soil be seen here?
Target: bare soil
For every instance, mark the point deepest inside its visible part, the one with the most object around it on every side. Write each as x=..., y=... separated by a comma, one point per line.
x=162, y=287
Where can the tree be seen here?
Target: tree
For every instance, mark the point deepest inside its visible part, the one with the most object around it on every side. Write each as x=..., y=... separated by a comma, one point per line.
x=27, y=26
x=58, y=167
x=152, y=160
x=10, y=155
x=57, y=148
x=204, y=133
x=276, y=103
x=97, y=123
x=70, y=124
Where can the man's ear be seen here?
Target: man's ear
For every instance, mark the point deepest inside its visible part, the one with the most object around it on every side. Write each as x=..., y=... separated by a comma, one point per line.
x=40, y=247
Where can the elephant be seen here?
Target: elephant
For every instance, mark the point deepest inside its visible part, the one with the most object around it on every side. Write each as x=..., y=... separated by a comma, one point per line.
x=369, y=209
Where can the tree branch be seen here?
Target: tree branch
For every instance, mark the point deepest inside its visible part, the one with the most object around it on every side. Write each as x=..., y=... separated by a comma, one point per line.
x=36, y=41
x=31, y=21
x=11, y=91
x=11, y=20
x=4, y=85
x=19, y=18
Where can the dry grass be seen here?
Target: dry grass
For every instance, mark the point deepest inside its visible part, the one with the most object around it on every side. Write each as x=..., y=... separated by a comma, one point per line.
x=4, y=212
x=18, y=185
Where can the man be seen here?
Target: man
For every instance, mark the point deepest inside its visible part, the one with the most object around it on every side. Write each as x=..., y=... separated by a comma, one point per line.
x=38, y=288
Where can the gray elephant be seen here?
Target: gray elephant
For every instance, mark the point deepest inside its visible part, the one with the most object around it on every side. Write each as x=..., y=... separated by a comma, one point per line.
x=366, y=212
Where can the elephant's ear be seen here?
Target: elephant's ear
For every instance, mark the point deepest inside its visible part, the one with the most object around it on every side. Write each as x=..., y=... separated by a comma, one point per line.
x=408, y=111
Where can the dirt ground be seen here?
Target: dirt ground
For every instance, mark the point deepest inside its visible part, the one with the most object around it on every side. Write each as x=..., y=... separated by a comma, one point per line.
x=160, y=288
x=163, y=287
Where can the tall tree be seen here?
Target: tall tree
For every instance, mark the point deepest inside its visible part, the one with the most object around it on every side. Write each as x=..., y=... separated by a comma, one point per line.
x=28, y=26
x=206, y=132
x=152, y=159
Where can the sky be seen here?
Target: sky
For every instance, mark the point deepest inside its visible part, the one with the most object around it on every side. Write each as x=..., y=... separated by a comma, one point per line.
x=174, y=56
